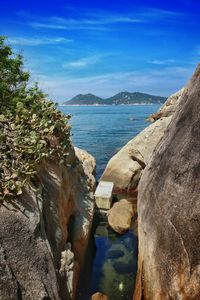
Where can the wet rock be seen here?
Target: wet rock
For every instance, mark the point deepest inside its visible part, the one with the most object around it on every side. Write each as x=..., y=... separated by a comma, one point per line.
x=169, y=208
x=114, y=254
x=120, y=215
x=99, y=296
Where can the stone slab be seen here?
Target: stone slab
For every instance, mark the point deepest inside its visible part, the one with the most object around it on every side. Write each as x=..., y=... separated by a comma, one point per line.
x=103, y=194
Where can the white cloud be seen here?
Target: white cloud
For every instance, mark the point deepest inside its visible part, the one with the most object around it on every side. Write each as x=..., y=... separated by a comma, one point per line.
x=36, y=41
x=82, y=63
x=77, y=26
x=46, y=25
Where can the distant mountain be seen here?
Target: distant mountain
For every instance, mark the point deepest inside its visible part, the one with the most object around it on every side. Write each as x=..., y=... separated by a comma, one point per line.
x=134, y=98
x=88, y=99
x=118, y=99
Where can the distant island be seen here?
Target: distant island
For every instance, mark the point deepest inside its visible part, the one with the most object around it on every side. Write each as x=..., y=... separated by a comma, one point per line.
x=123, y=98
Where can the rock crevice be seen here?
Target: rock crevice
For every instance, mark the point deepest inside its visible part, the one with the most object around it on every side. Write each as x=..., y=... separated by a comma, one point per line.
x=45, y=231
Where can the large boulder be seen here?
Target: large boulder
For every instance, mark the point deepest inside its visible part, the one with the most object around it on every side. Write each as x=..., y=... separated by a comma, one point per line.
x=169, y=208
x=44, y=232
x=125, y=168
x=120, y=215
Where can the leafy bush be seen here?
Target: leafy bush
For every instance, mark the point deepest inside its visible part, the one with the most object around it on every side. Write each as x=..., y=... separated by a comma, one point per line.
x=31, y=128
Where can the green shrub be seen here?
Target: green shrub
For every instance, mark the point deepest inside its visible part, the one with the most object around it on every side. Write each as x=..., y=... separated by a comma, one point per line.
x=31, y=128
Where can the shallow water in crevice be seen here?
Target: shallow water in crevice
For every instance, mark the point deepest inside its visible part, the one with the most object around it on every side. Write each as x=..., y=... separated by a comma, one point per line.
x=110, y=265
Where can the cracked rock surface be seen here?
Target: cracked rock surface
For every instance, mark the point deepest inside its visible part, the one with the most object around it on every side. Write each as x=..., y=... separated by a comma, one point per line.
x=44, y=232
x=169, y=208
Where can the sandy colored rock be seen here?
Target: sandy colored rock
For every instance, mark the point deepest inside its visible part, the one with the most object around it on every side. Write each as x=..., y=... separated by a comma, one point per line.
x=44, y=233
x=99, y=296
x=169, y=208
x=89, y=166
x=126, y=167
x=169, y=107
x=120, y=215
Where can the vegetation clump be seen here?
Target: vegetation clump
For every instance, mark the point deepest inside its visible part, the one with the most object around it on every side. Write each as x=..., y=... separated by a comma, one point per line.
x=31, y=128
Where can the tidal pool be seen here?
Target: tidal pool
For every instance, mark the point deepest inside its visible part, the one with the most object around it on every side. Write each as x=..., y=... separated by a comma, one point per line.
x=110, y=266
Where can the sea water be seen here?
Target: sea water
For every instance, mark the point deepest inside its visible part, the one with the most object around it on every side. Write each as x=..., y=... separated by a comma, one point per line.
x=103, y=130
x=110, y=265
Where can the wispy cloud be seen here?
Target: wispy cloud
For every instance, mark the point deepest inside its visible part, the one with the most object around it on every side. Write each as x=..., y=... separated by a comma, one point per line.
x=36, y=41
x=163, y=62
x=151, y=12
x=100, y=20
x=84, y=24
x=57, y=26
x=46, y=25
x=83, y=62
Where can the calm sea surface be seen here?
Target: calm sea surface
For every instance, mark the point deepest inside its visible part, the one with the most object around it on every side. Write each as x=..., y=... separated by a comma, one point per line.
x=103, y=130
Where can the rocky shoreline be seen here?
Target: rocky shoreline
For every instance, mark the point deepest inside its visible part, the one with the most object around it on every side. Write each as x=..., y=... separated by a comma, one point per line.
x=44, y=233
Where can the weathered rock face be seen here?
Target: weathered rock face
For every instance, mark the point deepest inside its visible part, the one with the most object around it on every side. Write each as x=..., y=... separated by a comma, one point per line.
x=120, y=215
x=44, y=233
x=126, y=167
x=89, y=166
x=169, y=208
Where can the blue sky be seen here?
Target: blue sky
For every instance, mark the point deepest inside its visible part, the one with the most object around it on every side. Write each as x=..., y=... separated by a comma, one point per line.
x=105, y=47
